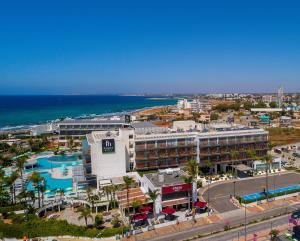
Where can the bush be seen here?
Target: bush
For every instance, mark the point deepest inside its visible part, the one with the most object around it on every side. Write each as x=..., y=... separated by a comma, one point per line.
x=12, y=208
x=242, y=200
x=98, y=220
x=37, y=227
x=199, y=184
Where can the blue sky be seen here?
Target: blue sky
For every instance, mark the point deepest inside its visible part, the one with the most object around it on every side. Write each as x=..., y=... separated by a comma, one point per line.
x=99, y=47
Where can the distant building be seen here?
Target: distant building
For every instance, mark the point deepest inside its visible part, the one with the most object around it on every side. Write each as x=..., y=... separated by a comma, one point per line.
x=285, y=121
x=80, y=127
x=195, y=105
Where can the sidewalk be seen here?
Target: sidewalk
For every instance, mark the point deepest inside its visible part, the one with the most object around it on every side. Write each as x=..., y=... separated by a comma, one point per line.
x=184, y=225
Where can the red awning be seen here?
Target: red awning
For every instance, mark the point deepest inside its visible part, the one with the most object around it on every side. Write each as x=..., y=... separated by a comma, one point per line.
x=168, y=210
x=139, y=217
x=146, y=209
x=200, y=204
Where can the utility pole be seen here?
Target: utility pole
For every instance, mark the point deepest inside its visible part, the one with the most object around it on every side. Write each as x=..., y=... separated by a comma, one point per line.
x=234, y=189
x=245, y=222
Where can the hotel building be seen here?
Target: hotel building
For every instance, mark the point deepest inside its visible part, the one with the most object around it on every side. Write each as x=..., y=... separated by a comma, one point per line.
x=145, y=146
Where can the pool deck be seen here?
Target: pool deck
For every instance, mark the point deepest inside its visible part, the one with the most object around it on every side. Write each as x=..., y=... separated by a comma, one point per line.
x=56, y=173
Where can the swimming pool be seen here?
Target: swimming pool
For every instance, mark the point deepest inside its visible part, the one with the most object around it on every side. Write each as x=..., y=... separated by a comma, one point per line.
x=260, y=195
x=58, y=161
x=46, y=161
x=54, y=184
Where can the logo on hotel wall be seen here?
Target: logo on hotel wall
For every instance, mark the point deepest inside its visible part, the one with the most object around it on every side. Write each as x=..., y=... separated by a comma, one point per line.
x=108, y=146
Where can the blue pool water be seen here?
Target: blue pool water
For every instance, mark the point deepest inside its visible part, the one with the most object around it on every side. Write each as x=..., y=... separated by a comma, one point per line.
x=58, y=161
x=55, y=161
x=53, y=184
x=255, y=196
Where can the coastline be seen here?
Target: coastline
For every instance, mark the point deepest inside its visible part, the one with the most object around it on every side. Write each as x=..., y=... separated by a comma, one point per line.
x=138, y=112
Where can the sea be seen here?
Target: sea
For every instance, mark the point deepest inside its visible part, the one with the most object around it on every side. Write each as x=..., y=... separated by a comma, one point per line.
x=23, y=111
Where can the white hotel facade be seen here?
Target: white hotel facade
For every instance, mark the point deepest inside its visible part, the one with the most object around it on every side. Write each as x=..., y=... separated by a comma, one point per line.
x=148, y=147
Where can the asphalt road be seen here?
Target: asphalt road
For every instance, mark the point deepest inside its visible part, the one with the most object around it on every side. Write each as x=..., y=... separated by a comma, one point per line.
x=218, y=196
x=234, y=221
x=252, y=229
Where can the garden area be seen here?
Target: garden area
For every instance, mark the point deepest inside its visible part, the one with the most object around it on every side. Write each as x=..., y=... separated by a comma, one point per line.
x=30, y=225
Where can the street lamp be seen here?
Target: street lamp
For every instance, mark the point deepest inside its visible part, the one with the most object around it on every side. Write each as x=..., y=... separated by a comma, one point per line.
x=245, y=222
x=208, y=191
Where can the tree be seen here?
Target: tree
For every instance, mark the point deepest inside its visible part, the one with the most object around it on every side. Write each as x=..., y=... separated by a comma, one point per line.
x=192, y=169
x=267, y=159
x=233, y=155
x=153, y=195
x=70, y=142
x=274, y=233
x=128, y=181
x=107, y=190
x=188, y=180
x=136, y=204
x=273, y=104
x=20, y=165
x=214, y=116
x=115, y=222
x=4, y=194
x=113, y=190
x=10, y=182
x=85, y=213
x=37, y=182
x=99, y=220
x=208, y=164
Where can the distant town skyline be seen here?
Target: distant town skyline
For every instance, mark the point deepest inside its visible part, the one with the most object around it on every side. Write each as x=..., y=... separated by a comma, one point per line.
x=113, y=47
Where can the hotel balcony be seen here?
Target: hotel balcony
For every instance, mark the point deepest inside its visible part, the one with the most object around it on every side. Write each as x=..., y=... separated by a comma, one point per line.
x=153, y=156
x=141, y=157
x=140, y=147
x=163, y=155
x=173, y=154
x=150, y=146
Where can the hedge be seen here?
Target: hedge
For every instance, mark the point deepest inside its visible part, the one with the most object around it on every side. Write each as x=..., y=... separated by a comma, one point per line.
x=242, y=200
x=12, y=208
x=37, y=227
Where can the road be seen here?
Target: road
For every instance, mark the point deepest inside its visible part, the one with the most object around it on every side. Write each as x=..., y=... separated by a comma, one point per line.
x=218, y=196
x=252, y=229
x=233, y=222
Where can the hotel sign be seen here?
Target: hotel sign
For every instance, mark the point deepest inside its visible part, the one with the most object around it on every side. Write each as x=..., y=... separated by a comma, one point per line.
x=108, y=146
x=176, y=188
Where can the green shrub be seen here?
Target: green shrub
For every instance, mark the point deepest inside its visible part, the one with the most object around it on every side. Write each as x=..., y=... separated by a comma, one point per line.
x=37, y=227
x=12, y=208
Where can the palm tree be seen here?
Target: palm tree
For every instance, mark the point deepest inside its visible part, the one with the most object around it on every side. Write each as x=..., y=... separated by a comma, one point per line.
x=128, y=181
x=107, y=190
x=84, y=213
x=189, y=180
x=267, y=159
x=61, y=193
x=153, y=195
x=10, y=182
x=37, y=181
x=20, y=165
x=114, y=188
x=192, y=169
x=233, y=155
x=136, y=204
x=43, y=189
x=208, y=164
x=70, y=142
